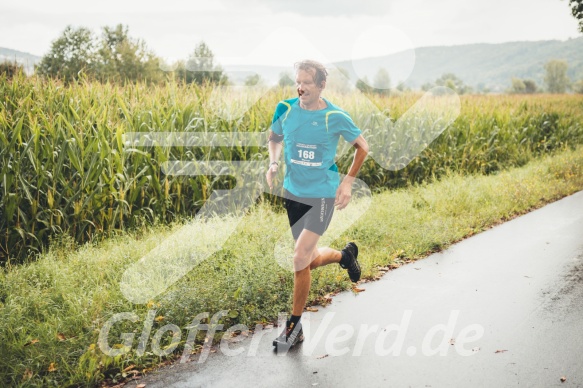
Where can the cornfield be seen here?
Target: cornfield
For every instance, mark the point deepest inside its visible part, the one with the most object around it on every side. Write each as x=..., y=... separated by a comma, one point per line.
x=66, y=168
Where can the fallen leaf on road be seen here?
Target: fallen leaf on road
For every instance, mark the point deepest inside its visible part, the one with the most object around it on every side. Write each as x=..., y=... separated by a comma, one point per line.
x=322, y=356
x=563, y=379
x=356, y=289
x=324, y=300
x=500, y=351
x=311, y=309
x=129, y=368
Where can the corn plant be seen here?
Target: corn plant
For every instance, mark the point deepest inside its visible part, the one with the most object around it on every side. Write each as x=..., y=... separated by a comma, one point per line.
x=65, y=168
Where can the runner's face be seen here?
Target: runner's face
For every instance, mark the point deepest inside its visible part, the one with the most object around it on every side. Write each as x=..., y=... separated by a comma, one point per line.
x=308, y=91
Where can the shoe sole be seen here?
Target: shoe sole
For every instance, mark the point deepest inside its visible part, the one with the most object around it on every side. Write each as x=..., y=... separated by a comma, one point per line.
x=278, y=344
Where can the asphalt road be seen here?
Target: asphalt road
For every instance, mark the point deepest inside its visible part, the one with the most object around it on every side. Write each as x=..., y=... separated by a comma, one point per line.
x=503, y=308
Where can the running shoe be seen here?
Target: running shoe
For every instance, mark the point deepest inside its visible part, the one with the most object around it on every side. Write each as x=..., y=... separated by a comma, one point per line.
x=289, y=337
x=353, y=268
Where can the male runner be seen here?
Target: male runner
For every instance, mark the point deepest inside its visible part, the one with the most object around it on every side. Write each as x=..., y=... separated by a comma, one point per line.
x=309, y=127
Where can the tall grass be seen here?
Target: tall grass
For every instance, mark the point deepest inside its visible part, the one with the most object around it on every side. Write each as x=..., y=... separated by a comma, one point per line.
x=64, y=167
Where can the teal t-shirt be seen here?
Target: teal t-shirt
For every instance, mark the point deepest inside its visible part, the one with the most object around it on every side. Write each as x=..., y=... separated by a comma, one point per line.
x=310, y=140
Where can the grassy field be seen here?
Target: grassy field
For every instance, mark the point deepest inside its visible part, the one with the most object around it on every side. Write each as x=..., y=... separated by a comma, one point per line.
x=52, y=309
x=65, y=167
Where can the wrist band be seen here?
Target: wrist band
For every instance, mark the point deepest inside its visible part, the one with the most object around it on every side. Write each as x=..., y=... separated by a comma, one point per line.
x=275, y=137
x=272, y=163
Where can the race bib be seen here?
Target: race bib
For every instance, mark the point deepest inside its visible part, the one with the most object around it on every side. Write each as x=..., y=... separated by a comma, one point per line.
x=309, y=155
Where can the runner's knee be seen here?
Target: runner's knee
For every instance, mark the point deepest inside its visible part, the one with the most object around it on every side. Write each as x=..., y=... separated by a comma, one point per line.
x=302, y=258
x=314, y=259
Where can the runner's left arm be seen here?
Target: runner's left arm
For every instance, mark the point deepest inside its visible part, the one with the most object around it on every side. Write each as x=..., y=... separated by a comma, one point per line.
x=344, y=192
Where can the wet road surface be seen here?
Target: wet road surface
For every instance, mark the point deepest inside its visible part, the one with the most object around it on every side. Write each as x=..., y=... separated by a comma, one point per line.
x=503, y=308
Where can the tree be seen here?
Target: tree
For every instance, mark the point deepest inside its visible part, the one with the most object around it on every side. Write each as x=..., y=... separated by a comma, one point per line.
x=518, y=86
x=523, y=86
x=427, y=86
x=382, y=82
x=363, y=85
x=451, y=81
x=530, y=86
x=73, y=52
x=285, y=79
x=115, y=56
x=556, y=76
x=201, y=68
x=124, y=58
x=253, y=80
x=578, y=87
x=577, y=11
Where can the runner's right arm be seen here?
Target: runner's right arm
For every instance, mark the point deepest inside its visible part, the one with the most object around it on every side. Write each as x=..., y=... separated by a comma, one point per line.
x=275, y=147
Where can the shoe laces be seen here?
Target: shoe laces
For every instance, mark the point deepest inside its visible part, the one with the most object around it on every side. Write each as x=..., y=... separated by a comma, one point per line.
x=353, y=266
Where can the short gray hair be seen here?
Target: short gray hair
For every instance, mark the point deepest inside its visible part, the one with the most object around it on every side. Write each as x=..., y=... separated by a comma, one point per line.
x=309, y=64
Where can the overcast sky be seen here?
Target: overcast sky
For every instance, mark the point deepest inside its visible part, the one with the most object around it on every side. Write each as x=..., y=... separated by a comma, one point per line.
x=278, y=32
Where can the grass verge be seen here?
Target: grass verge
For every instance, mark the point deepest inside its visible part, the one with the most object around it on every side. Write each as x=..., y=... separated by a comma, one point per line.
x=52, y=309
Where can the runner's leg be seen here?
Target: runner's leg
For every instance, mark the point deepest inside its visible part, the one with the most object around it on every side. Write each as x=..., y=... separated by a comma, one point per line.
x=325, y=256
x=303, y=253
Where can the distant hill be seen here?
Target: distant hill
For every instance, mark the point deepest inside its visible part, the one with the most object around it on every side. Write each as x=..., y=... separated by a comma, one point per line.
x=491, y=65
x=478, y=65
x=26, y=59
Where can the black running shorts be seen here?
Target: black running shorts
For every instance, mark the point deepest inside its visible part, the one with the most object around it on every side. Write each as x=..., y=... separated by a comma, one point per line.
x=313, y=214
